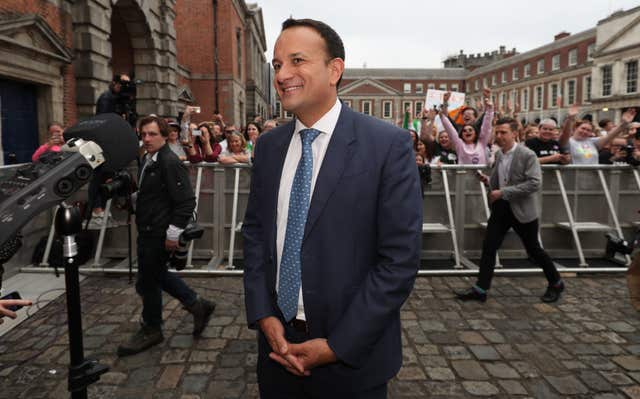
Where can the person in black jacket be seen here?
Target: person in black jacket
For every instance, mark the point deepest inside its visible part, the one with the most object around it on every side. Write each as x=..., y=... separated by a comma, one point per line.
x=164, y=204
x=109, y=100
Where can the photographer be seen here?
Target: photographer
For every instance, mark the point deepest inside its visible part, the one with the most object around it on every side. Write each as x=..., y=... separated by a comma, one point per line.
x=164, y=204
x=56, y=140
x=110, y=100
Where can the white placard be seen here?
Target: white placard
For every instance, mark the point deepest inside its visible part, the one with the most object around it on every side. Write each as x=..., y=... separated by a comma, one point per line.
x=434, y=97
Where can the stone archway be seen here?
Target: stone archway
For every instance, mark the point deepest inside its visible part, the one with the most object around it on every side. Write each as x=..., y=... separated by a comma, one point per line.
x=133, y=36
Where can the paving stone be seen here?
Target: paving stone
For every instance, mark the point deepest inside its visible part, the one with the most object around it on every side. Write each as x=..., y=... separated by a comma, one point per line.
x=567, y=385
x=433, y=361
x=595, y=381
x=469, y=370
x=456, y=352
x=230, y=373
x=411, y=374
x=630, y=363
x=501, y=370
x=513, y=387
x=427, y=349
x=440, y=373
x=494, y=337
x=181, y=341
x=113, y=378
x=174, y=356
x=632, y=392
x=443, y=389
x=170, y=377
x=621, y=327
x=194, y=383
x=200, y=369
x=484, y=352
x=526, y=369
x=480, y=388
x=432, y=325
x=617, y=378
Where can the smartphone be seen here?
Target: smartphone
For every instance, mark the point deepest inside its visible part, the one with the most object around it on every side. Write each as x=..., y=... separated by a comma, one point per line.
x=13, y=295
x=195, y=110
x=196, y=132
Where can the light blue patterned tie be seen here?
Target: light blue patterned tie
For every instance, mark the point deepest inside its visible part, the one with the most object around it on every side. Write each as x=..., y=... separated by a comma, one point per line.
x=289, y=283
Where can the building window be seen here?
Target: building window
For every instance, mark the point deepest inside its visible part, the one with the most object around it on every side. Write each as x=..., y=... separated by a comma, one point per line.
x=476, y=85
x=524, y=99
x=570, y=92
x=538, y=99
x=606, y=80
x=555, y=62
x=631, y=68
x=365, y=107
x=347, y=103
x=431, y=86
x=387, y=108
x=405, y=105
x=527, y=70
x=278, y=109
x=503, y=77
x=288, y=115
x=514, y=74
x=590, y=50
x=493, y=80
x=443, y=86
x=484, y=82
x=573, y=57
x=455, y=87
x=407, y=87
x=553, y=95
x=419, y=88
x=512, y=97
x=540, y=66
x=587, y=89
x=418, y=108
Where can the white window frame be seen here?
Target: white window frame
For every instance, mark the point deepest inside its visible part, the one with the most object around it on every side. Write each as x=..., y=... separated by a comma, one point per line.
x=602, y=80
x=431, y=86
x=455, y=87
x=484, y=82
x=626, y=76
x=503, y=99
x=573, y=57
x=406, y=87
x=551, y=100
x=527, y=70
x=514, y=74
x=567, y=102
x=590, y=50
x=586, y=89
x=417, y=107
x=384, y=114
x=419, y=88
x=443, y=86
x=278, y=110
x=288, y=115
x=368, y=102
x=476, y=84
x=503, y=77
x=540, y=66
x=555, y=62
x=404, y=106
x=494, y=80
x=524, y=99
x=537, y=106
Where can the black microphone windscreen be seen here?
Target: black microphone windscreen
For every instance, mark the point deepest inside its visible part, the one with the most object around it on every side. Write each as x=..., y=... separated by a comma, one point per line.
x=113, y=134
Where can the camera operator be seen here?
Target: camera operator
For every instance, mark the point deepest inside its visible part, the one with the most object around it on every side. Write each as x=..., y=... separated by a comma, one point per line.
x=110, y=99
x=164, y=204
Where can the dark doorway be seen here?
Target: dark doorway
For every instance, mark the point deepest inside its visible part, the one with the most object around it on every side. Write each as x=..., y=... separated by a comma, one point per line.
x=19, y=111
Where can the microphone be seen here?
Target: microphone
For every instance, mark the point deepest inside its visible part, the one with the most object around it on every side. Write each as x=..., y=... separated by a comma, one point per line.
x=105, y=141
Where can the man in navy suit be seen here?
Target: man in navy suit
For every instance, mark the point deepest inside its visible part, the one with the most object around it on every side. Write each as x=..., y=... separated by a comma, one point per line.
x=332, y=232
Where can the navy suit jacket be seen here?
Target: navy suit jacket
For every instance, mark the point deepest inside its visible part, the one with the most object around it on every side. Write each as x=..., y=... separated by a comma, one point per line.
x=361, y=246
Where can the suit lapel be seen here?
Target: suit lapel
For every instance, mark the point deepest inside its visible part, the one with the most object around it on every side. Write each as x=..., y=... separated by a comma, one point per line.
x=281, y=146
x=335, y=159
x=514, y=162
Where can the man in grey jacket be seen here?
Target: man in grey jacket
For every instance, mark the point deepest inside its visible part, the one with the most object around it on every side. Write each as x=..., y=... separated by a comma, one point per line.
x=515, y=180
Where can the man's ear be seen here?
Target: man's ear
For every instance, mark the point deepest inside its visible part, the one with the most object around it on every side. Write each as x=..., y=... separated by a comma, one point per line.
x=337, y=68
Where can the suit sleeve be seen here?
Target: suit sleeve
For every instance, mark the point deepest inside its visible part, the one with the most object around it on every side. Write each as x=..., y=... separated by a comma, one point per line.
x=388, y=284
x=183, y=200
x=257, y=297
x=531, y=184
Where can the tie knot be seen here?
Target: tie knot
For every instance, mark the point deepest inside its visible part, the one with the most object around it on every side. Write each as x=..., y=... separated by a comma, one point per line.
x=308, y=135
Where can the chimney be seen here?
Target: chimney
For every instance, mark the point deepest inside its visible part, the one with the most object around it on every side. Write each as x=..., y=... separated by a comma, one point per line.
x=561, y=35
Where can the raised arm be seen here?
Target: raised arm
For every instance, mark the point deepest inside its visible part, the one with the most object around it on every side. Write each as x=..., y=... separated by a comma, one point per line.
x=567, y=126
x=487, y=121
x=627, y=118
x=426, y=128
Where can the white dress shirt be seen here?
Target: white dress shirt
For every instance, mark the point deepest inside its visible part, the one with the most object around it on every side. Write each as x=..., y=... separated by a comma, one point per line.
x=504, y=168
x=325, y=125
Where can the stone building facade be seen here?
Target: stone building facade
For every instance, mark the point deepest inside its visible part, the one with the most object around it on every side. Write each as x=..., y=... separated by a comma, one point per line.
x=57, y=57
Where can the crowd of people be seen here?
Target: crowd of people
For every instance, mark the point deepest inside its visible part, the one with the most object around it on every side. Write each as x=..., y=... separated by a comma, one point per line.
x=465, y=136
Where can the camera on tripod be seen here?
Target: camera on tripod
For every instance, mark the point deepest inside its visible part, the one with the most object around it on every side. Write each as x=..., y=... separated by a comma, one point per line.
x=178, y=259
x=121, y=185
x=617, y=245
x=126, y=100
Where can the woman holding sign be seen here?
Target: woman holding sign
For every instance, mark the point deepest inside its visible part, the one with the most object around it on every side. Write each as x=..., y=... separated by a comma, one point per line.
x=471, y=148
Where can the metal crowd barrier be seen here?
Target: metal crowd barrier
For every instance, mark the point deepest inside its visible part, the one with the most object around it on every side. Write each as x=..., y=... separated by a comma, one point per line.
x=579, y=204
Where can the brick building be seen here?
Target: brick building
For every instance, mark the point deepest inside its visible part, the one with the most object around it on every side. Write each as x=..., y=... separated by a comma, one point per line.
x=56, y=58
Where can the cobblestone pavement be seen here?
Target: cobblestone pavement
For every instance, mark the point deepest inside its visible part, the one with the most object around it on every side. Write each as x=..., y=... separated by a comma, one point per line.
x=586, y=346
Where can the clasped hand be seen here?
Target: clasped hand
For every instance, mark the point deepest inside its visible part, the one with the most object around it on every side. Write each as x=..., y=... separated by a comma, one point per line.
x=298, y=359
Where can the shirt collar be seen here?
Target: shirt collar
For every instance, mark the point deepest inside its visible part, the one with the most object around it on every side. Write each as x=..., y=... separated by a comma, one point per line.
x=326, y=124
x=511, y=150
x=154, y=157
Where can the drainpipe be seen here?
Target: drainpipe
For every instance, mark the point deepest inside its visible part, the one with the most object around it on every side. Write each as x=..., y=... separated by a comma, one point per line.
x=216, y=106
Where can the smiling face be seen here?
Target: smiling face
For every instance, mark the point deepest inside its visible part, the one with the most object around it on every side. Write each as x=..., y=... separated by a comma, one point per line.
x=583, y=131
x=443, y=140
x=468, y=116
x=252, y=132
x=305, y=77
x=468, y=134
x=235, y=144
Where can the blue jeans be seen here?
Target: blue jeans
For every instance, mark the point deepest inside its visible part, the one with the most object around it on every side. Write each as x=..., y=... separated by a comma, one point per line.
x=154, y=277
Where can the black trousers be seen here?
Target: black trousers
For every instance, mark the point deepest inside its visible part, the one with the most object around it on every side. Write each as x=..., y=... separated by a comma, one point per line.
x=501, y=220
x=275, y=382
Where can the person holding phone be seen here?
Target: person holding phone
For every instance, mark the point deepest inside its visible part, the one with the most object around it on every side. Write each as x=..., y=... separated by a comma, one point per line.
x=56, y=140
x=10, y=304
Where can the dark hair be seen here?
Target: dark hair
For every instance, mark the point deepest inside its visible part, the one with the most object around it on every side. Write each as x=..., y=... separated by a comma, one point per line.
x=513, y=124
x=475, y=139
x=162, y=124
x=333, y=42
x=475, y=111
x=604, y=122
x=54, y=123
x=246, y=129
